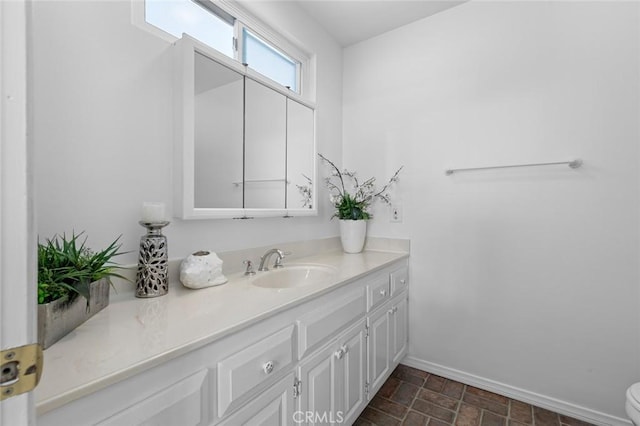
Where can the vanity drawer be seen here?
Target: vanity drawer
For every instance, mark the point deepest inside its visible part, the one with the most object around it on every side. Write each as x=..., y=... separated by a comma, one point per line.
x=377, y=291
x=245, y=370
x=319, y=325
x=399, y=280
x=183, y=400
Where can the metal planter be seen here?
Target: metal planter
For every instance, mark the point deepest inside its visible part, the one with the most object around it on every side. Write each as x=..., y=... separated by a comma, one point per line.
x=58, y=318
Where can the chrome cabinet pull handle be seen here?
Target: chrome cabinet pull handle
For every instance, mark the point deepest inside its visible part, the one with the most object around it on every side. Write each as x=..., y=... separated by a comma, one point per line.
x=383, y=292
x=402, y=281
x=268, y=367
x=341, y=352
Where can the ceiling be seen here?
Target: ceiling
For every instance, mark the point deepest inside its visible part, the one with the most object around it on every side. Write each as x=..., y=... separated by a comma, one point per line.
x=352, y=21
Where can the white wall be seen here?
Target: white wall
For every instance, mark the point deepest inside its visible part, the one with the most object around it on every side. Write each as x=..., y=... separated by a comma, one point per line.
x=102, y=124
x=525, y=277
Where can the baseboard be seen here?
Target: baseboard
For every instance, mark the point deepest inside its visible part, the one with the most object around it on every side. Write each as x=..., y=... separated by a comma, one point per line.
x=533, y=398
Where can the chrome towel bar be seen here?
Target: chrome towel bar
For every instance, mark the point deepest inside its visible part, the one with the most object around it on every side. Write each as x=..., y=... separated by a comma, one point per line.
x=573, y=164
x=261, y=180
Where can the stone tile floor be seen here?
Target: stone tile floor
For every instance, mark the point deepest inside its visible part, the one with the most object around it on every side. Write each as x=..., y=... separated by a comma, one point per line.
x=414, y=397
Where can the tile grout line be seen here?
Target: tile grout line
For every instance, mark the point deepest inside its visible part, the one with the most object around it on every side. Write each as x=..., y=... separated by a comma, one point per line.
x=390, y=399
x=411, y=403
x=409, y=408
x=465, y=390
x=413, y=400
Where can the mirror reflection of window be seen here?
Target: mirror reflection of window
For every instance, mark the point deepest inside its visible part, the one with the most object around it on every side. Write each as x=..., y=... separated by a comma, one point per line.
x=218, y=111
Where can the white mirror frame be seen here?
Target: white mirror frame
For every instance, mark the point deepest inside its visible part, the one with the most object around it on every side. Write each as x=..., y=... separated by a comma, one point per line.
x=184, y=136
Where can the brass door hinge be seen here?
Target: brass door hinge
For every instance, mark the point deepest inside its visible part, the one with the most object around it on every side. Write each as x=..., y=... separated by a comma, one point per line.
x=20, y=370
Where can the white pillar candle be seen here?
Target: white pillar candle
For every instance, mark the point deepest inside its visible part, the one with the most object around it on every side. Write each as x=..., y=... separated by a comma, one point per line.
x=153, y=212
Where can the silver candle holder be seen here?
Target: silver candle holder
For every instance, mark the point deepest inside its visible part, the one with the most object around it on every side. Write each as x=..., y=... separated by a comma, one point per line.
x=153, y=261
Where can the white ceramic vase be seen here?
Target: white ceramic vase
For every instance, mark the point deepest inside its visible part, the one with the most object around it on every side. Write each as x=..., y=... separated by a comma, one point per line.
x=202, y=269
x=352, y=235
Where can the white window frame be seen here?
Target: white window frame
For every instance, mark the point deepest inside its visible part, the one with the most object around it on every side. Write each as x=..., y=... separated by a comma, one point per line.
x=241, y=27
x=255, y=26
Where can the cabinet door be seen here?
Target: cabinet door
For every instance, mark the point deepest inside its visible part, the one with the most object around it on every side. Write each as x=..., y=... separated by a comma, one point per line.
x=351, y=372
x=379, y=349
x=333, y=380
x=399, y=329
x=318, y=393
x=273, y=407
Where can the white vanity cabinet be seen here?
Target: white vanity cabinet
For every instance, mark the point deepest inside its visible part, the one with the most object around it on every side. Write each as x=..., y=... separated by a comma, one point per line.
x=379, y=359
x=338, y=380
x=177, y=392
x=180, y=403
x=387, y=340
x=399, y=328
x=399, y=313
x=327, y=319
x=332, y=380
x=273, y=407
x=352, y=372
x=241, y=372
x=317, y=362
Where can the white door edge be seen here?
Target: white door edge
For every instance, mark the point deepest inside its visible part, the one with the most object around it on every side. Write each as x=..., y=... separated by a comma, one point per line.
x=17, y=228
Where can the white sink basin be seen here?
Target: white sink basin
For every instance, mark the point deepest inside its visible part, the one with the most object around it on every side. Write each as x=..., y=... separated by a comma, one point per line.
x=291, y=276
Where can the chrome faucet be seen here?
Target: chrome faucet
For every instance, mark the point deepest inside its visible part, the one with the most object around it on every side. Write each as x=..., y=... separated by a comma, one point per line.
x=264, y=260
x=249, y=270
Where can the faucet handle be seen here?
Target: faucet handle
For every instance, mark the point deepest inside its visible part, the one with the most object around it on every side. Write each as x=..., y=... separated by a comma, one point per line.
x=280, y=258
x=249, y=270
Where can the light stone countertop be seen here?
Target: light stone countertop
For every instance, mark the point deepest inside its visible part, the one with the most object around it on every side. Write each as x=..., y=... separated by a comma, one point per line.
x=132, y=335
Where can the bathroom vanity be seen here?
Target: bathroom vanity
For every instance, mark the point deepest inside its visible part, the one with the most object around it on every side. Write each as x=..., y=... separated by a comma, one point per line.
x=242, y=353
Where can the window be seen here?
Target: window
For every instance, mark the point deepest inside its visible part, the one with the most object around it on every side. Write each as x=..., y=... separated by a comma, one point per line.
x=177, y=17
x=210, y=24
x=269, y=61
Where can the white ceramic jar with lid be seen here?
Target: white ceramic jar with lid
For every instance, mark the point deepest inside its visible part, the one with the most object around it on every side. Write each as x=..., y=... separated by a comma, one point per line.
x=202, y=269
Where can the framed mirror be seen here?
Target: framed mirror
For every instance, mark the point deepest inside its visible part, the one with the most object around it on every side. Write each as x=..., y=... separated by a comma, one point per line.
x=301, y=156
x=218, y=135
x=244, y=146
x=265, y=147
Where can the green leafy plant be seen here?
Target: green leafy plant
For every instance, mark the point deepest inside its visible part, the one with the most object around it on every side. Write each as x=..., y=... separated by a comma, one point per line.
x=354, y=205
x=66, y=267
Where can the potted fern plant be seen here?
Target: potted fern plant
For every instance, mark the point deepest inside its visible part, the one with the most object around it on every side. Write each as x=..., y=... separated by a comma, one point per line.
x=352, y=200
x=73, y=284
